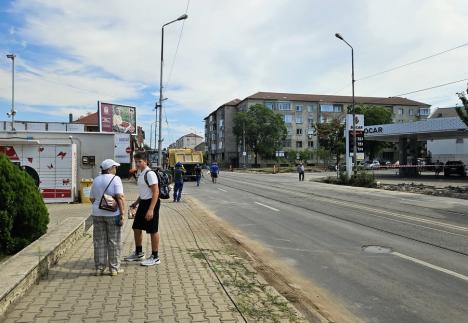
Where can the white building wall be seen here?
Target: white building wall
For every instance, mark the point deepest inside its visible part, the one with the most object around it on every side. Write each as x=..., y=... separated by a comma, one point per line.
x=449, y=149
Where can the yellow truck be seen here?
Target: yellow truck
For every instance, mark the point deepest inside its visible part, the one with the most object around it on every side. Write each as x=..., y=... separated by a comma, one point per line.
x=188, y=157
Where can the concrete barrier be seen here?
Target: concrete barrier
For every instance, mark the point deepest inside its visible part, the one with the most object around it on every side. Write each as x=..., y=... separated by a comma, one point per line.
x=19, y=272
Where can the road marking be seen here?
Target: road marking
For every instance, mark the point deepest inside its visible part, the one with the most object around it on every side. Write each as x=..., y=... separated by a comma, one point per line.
x=285, y=240
x=221, y=189
x=267, y=206
x=426, y=264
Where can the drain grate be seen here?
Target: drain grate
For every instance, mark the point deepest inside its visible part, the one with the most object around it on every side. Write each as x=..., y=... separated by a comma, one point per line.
x=376, y=249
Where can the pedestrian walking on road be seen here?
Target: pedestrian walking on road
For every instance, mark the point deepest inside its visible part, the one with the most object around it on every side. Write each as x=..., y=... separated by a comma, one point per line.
x=108, y=207
x=301, y=170
x=147, y=214
x=198, y=174
x=179, y=172
x=439, y=166
x=214, y=170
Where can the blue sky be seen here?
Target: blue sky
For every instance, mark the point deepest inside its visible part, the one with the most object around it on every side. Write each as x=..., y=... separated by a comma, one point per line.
x=70, y=54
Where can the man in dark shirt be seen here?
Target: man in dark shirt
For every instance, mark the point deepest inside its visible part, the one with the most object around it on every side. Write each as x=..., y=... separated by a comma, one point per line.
x=198, y=174
x=179, y=172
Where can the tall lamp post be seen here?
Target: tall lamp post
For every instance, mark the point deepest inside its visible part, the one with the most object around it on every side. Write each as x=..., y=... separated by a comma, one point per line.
x=12, y=113
x=354, y=106
x=183, y=17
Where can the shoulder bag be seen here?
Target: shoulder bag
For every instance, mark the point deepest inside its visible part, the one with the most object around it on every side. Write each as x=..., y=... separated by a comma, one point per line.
x=108, y=202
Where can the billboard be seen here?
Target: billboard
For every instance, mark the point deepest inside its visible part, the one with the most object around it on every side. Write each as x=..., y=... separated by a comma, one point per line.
x=117, y=118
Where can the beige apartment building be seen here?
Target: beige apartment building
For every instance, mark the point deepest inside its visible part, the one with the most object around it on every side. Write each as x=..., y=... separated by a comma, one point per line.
x=300, y=112
x=190, y=140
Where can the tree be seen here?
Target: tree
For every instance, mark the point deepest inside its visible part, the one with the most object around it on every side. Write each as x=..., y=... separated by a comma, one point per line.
x=331, y=137
x=23, y=214
x=374, y=115
x=264, y=130
x=463, y=111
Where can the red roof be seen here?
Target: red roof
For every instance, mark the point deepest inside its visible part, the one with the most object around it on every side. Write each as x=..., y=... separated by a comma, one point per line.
x=90, y=119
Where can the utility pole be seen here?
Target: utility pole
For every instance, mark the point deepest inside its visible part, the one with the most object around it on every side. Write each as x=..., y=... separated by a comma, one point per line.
x=183, y=17
x=12, y=113
x=244, y=153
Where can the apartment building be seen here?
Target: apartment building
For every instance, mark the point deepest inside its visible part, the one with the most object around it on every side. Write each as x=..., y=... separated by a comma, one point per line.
x=190, y=140
x=301, y=111
x=220, y=143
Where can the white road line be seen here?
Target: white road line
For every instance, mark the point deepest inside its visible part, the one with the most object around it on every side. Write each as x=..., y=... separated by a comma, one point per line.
x=426, y=264
x=267, y=206
x=221, y=189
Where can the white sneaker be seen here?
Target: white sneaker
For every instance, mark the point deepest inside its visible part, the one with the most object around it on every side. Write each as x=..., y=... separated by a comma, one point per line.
x=116, y=272
x=135, y=256
x=151, y=261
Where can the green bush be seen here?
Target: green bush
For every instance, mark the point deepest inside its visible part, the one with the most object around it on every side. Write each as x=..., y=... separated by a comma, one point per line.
x=23, y=214
x=361, y=179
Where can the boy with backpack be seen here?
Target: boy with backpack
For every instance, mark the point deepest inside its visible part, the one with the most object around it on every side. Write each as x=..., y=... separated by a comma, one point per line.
x=147, y=214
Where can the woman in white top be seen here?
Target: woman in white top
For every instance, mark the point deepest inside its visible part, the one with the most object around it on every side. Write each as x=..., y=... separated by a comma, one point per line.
x=107, y=224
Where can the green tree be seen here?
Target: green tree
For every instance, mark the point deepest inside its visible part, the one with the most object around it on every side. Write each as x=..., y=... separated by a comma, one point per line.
x=374, y=115
x=264, y=130
x=463, y=111
x=331, y=137
x=23, y=214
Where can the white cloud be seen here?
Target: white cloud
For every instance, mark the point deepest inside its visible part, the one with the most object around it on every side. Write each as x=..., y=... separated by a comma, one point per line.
x=234, y=48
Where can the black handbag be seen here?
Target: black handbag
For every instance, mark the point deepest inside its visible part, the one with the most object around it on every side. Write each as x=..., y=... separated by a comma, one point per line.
x=108, y=202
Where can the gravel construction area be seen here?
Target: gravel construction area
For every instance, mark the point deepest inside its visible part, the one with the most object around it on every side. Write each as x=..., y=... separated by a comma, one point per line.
x=460, y=192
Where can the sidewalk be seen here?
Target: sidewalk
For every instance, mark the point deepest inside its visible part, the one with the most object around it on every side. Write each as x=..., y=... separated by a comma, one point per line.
x=183, y=288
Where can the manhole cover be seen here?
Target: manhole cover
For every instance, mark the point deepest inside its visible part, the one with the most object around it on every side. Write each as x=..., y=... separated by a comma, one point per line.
x=376, y=249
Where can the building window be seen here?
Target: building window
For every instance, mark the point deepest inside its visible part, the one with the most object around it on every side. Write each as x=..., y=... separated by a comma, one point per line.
x=310, y=122
x=411, y=112
x=284, y=106
x=220, y=145
x=299, y=131
x=298, y=108
x=221, y=123
x=310, y=108
x=289, y=129
x=310, y=144
x=401, y=111
x=287, y=118
x=270, y=105
x=287, y=143
x=323, y=119
x=298, y=118
x=424, y=112
x=459, y=140
x=338, y=108
x=298, y=144
x=326, y=108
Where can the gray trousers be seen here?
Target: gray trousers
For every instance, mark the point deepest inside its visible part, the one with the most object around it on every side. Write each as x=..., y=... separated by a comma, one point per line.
x=107, y=243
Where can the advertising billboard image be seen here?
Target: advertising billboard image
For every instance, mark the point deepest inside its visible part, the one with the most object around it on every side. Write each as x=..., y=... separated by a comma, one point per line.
x=117, y=118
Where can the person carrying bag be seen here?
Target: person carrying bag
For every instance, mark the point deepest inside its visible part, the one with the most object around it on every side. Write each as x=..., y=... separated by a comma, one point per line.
x=108, y=214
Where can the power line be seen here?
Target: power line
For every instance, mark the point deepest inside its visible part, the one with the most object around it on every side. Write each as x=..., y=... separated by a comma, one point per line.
x=404, y=65
x=177, y=47
x=432, y=87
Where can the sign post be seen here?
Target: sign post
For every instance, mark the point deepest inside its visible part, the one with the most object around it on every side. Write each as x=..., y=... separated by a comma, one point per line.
x=359, y=122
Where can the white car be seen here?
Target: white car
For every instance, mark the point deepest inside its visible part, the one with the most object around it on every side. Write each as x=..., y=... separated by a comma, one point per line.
x=372, y=165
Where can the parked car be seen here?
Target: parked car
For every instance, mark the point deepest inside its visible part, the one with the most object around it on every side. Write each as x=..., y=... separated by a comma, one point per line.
x=454, y=167
x=375, y=164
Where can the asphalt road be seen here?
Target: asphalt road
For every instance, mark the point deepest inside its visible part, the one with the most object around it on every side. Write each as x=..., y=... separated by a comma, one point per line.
x=323, y=230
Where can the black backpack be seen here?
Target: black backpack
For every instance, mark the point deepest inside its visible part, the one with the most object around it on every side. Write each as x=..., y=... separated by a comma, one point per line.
x=163, y=183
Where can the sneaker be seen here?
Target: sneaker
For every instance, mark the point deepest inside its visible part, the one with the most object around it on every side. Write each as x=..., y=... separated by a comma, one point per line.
x=115, y=273
x=135, y=256
x=151, y=261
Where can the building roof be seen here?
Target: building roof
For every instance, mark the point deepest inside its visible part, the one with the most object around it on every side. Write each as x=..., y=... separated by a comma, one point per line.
x=190, y=135
x=334, y=99
x=444, y=113
x=231, y=103
x=89, y=120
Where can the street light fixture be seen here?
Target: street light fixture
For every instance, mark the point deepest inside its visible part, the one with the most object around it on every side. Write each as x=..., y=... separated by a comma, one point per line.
x=337, y=35
x=12, y=113
x=183, y=17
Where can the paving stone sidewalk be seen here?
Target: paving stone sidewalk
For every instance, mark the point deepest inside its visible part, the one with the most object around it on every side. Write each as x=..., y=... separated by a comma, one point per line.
x=183, y=288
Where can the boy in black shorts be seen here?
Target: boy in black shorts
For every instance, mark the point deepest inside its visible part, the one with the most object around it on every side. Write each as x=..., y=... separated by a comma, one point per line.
x=147, y=214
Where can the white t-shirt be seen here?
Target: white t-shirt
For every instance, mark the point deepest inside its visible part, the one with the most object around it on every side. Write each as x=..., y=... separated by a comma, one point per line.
x=97, y=190
x=143, y=189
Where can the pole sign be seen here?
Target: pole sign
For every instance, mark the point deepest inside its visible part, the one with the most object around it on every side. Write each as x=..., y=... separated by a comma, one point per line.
x=359, y=143
x=349, y=132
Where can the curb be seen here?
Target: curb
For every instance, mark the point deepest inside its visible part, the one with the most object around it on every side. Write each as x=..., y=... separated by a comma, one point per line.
x=27, y=267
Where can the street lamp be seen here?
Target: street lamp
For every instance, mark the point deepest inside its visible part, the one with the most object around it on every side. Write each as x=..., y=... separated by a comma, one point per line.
x=337, y=35
x=12, y=113
x=183, y=17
